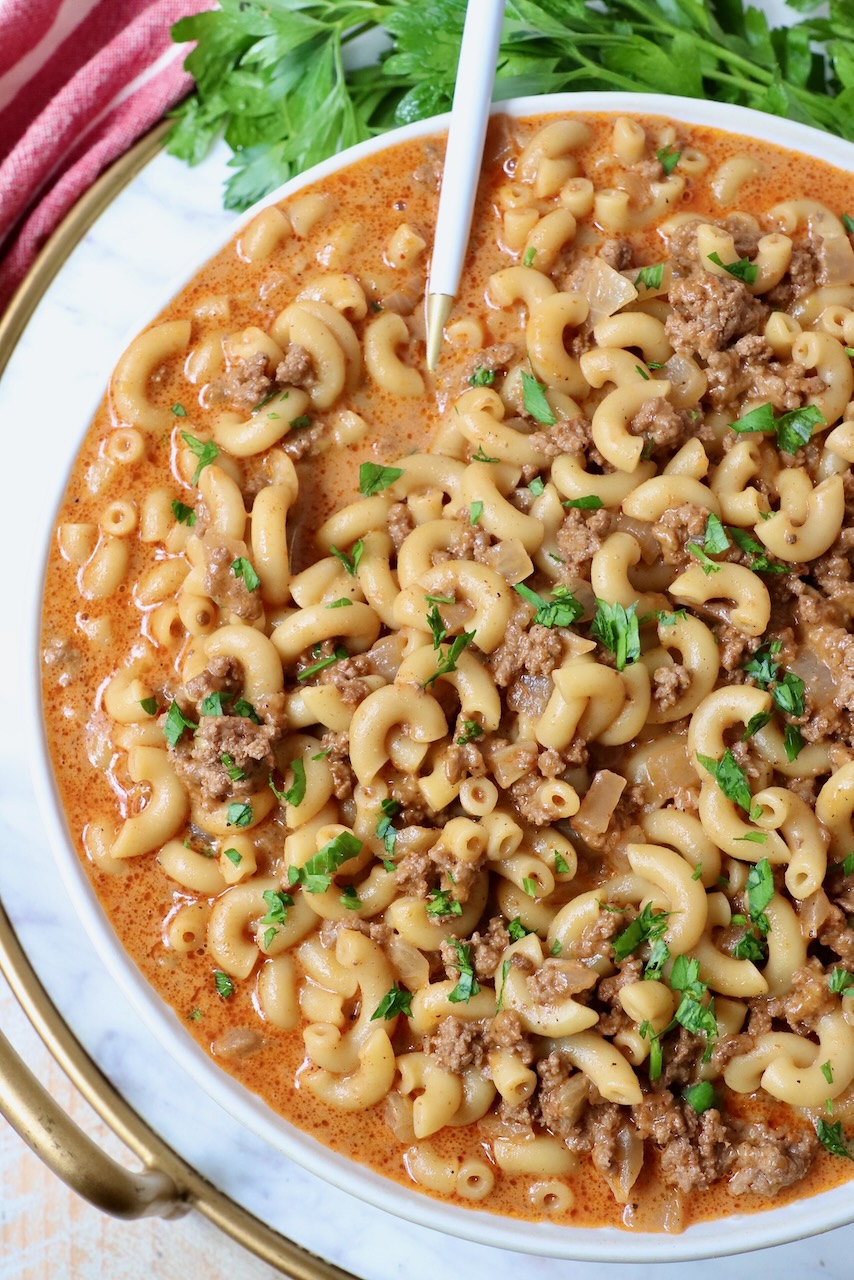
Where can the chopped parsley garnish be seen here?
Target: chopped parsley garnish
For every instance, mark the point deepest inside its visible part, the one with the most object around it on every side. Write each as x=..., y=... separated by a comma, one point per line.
x=234, y=771
x=304, y=420
x=561, y=611
x=759, y=892
x=536, y=404
x=194, y=1015
x=646, y=927
x=149, y=706
x=658, y=956
x=646, y=1032
x=750, y=948
x=471, y=730
x=397, y=1000
x=482, y=377
x=175, y=724
x=793, y=429
x=505, y=969
x=373, y=478
x=242, y=568
x=475, y=512
x=529, y=256
x=205, y=450
x=668, y=158
x=517, y=930
x=743, y=270
x=670, y=619
x=183, y=514
x=832, y=1137
x=436, y=625
x=224, y=985
x=467, y=985
x=758, y=556
x=349, y=898
x=692, y=1014
x=441, y=903
x=480, y=456
x=847, y=864
x=448, y=662
x=295, y=793
x=841, y=982
x=343, y=603
x=233, y=856
x=350, y=563
x=732, y=781
x=179, y=411
x=697, y=872
x=752, y=837
x=715, y=542
x=616, y=629
x=847, y=222
x=238, y=814
x=590, y=502
x=537, y=486
x=643, y=373
x=700, y=1096
x=212, y=705
x=530, y=886
x=244, y=708
x=277, y=903
x=827, y=1072
x=793, y=741
x=788, y=694
x=316, y=874
x=650, y=277
x=307, y=672
x=762, y=666
x=561, y=864
x=385, y=831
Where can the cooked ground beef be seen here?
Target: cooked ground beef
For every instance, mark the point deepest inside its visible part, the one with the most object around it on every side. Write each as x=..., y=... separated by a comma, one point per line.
x=618, y=253
x=221, y=675
x=766, y=1160
x=487, y=948
x=677, y=527
x=750, y=368
x=708, y=311
x=220, y=744
x=296, y=368
x=536, y=650
x=694, y=1160
x=556, y=979
x=658, y=421
x=223, y=586
x=493, y=358
x=400, y=524
x=337, y=746
x=580, y=536
x=569, y=435
x=668, y=685
x=595, y=940
x=808, y=1000
x=506, y=1032
x=456, y=1044
x=244, y=385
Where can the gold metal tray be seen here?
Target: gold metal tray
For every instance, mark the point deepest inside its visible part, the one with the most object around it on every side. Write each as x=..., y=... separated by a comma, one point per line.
x=166, y=1185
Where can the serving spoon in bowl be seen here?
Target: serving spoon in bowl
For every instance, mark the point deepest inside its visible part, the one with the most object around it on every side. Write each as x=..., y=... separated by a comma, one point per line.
x=463, y=155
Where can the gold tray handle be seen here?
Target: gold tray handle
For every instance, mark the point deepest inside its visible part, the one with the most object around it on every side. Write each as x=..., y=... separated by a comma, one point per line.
x=75, y=1157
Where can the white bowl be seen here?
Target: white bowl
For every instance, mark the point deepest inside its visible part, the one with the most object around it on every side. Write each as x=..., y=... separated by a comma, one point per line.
x=737, y=1232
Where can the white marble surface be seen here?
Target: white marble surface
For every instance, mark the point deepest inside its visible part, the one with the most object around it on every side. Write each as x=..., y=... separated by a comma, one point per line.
x=153, y=231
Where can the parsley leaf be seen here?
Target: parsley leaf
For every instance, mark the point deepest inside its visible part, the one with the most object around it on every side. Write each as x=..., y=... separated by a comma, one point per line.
x=517, y=930
x=561, y=611
x=529, y=256
x=238, y=814
x=480, y=456
x=448, y=662
x=233, y=856
x=762, y=666
x=295, y=793
x=616, y=629
x=832, y=1137
x=732, y=781
x=650, y=277
x=467, y=985
x=373, y=478
x=307, y=672
x=537, y=486
x=701, y=1096
x=482, y=377
x=646, y=927
x=175, y=724
x=848, y=223
x=793, y=429
x=505, y=969
x=315, y=875
x=442, y=904
x=244, y=708
x=149, y=706
x=668, y=158
x=536, y=404
x=756, y=553
x=396, y=1000
x=183, y=514
x=759, y=892
x=841, y=982
x=234, y=771
x=179, y=411
x=743, y=270
x=436, y=625
x=205, y=450
x=350, y=563
x=277, y=903
x=385, y=831
x=242, y=568
x=475, y=512
x=224, y=985
x=590, y=502
x=670, y=619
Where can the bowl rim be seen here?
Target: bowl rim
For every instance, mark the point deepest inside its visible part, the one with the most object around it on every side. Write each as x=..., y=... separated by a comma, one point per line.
x=736, y=1233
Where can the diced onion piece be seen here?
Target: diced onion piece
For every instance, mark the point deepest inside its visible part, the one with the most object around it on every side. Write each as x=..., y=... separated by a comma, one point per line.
x=598, y=805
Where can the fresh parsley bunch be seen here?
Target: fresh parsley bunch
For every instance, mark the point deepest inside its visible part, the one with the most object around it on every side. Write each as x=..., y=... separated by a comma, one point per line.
x=275, y=76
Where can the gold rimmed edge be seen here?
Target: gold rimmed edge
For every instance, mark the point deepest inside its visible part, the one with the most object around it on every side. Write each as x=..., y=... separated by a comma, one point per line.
x=167, y=1185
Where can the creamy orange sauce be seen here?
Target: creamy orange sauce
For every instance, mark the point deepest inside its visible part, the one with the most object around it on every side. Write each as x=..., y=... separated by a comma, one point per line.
x=373, y=198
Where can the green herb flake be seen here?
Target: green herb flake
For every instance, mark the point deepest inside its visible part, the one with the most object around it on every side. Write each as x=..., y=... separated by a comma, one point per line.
x=233, y=856
x=827, y=1072
x=475, y=512
x=223, y=984
x=793, y=741
x=482, y=377
x=344, y=602
x=744, y=270
x=561, y=611
x=179, y=411
x=537, y=487
x=385, y=830
x=480, y=456
x=646, y=927
x=395, y=1001
x=793, y=430
x=349, y=898
x=701, y=1096
x=149, y=706
x=505, y=969
x=833, y=1139
x=536, y=404
x=441, y=904
x=183, y=514
x=243, y=568
x=847, y=864
x=296, y=424
x=234, y=771
x=590, y=502
x=561, y=864
x=351, y=562
x=646, y=1032
x=374, y=478
x=749, y=948
x=244, y=708
x=847, y=222
x=467, y=985
x=841, y=982
x=175, y=724
x=295, y=793
x=316, y=874
x=204, y=450
x=194, y=1015
x=529, y=256
x=448, y=661
x=650, y=277
x=338, y=656
x=239, y=814
x=530, y=886
x=517, y=930
x=643, y=373
x=670, y=619
x=753, y=837
x=732, y=781
x=616, y=629
x=668, y=158
x=759, y=892
x=277, y=903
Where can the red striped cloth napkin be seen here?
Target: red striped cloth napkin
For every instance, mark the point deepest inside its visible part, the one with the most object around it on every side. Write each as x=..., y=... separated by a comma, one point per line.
x=80, y=81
